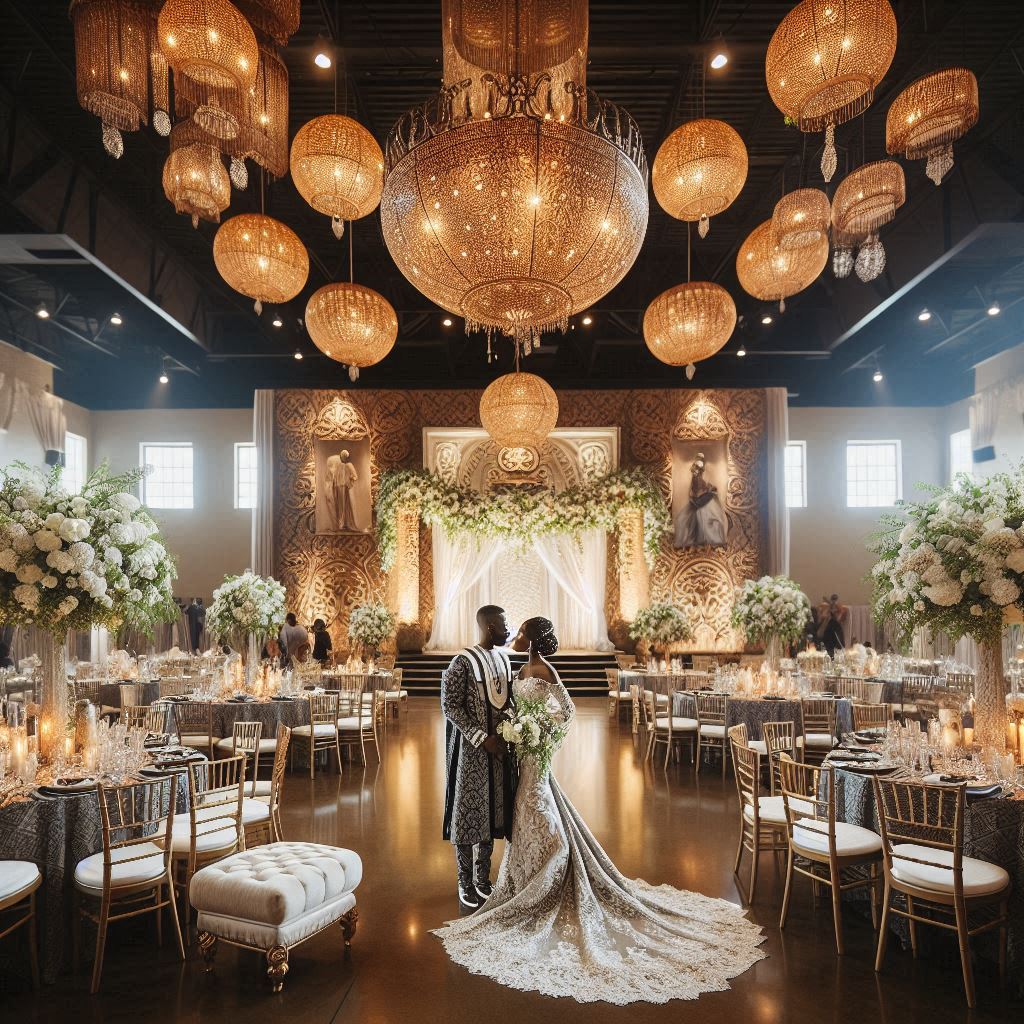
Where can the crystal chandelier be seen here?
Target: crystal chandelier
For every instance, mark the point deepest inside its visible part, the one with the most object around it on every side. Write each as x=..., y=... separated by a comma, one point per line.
x=870, y=258
x=699, y=170
x=338, y=168
x=209, y=41
x=771, y=273
x=261, y=258
x=843, y=253
x=824, y=62
x=352, y=324
x=688, y=323
x=930, y=115
x=194, y=179
x=868, y=197
x=515, y=198
x=278, y=19
x=801, y=218
x=519, y=410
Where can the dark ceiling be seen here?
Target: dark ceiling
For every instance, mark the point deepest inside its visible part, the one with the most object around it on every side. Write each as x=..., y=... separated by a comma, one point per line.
x=956, y=249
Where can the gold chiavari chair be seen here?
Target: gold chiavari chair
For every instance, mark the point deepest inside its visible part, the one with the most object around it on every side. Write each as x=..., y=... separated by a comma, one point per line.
x=960, y=683
x=385, y=662
x=703, y=662
x=322, y=731
x=670, y=728
x=822, y=848
x=129, y=875
x=195, y=725
x=738, y=734
x=712, y=709
x=177, y=687
x=818, y=721
x=625, y=661
x=871, y=716
x=245, y=739
x=923, y=860
x=271, y=790
x=918, y=695
x=19, y=880
x=358, y=723
x=88, y=689
x=780, y=738
x=617, y=698
x=154, y=718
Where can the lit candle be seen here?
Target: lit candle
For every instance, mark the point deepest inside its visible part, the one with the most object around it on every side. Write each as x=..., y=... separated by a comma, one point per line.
x=19, y=753
x=69, y=747
x=968, y=736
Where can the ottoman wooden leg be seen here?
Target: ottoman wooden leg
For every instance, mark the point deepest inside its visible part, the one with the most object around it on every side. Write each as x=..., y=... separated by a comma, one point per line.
x=277, y=966
x=208, y=948
x=348, y=929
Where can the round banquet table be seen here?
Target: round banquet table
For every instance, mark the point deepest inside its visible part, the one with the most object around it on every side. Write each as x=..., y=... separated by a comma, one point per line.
x=55, y=833
x=110, y=693
x=271, y=713
x=753, y=712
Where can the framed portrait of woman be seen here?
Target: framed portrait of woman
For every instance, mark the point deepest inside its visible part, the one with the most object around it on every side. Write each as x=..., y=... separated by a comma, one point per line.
x=699, y=481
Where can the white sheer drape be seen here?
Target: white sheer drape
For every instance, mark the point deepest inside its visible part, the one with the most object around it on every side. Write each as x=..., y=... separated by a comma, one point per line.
x=776, y=438
x=7, y=401
x=459, y=564
x=860, y=626
x=983, y=415
x=577, y=565
x=46, y=414
x=263, y=514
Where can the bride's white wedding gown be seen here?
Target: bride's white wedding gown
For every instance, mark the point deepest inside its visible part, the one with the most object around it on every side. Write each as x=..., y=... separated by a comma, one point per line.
x=563, y=921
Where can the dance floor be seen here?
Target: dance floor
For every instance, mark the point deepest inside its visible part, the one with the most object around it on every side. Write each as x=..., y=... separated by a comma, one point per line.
x=665, y=827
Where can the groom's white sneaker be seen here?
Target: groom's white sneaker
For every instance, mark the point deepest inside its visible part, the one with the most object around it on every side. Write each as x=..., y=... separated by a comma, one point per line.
x=468, y=897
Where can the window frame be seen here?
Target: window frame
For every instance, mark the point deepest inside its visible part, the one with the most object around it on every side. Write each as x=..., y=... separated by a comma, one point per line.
x=802, y=446
x=239, y=445
x=897, y=446
x=144, y=497
x=953, y=472
x=85, y=459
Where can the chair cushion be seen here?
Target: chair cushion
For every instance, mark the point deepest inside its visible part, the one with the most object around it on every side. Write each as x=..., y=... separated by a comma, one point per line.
x=662, y=698
x=196, y=739
x=323, y=729
x=396, y=695
x=712, y=729
x=980, y=877
x=16, y=875
x=819, y=740
x=619, y=695
x=262, y=788
x=759, y=745
x=267, y=746
x=678, y=724
x=772, y=810
x=351, y=723
x=851, y=840
x=150, y=866
x=254, y=811
x=206, y=842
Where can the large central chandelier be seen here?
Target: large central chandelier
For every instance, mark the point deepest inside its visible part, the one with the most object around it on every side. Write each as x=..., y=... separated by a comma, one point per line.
x=515, y=198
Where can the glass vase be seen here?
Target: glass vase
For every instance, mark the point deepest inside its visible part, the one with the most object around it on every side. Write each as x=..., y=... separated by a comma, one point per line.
x=773, y=654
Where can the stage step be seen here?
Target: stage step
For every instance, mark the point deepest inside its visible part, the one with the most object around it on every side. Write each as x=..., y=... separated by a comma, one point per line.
x=583, y=673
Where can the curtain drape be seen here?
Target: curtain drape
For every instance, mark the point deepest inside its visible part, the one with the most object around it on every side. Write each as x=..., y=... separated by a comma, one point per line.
x=8, y=392
x=46, y=414
x=262, y=553
x=983, y=415
x=459, y=563
x=860, y=626
x=776, y=438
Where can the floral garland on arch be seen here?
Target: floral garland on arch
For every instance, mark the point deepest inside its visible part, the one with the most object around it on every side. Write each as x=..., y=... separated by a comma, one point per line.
x=769, y=608
x=517, y=514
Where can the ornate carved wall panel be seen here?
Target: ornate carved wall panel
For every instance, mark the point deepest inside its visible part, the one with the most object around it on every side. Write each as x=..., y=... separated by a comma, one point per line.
x=329, y=575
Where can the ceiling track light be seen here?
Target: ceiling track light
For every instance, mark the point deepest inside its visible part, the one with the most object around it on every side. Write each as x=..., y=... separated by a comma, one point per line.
x=719, y=60
x=766, y=319
x=298, y=355
x=323, y=47
x=42, y=312
x=277, y=322
x=588, y=320
x=741, y=351
x=877, y=376
x=115, y=319
x=994, y=309
x=447, y=321
x=924, y=316
x=164, y=377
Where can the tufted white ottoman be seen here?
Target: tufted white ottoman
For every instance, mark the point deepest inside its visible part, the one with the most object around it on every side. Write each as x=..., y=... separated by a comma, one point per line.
x=272, y=898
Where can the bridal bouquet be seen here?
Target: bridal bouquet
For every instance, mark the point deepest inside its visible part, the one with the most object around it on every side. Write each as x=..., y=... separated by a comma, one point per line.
x=535, y=730
x=661, y=624
x=371, y=624
x=773, y=607
x=248, y=605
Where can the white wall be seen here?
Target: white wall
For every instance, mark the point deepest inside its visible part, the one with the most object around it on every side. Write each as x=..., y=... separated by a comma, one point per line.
x=828, y=551
x=212, y=538
x=1009, y=437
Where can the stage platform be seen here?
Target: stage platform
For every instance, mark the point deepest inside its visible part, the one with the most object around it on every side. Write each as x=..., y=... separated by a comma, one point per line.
x=583, y=672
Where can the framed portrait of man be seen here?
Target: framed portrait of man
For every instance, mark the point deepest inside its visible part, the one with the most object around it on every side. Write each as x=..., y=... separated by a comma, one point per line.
x=343, y=487
x=700, y=479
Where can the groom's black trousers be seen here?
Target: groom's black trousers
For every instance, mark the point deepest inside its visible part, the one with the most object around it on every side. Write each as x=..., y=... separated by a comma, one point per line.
x=464, y=857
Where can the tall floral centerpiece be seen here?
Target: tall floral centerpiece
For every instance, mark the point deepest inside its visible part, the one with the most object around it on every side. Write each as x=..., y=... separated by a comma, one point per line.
x=955, y=563
x=771, y=610
x=74, y=561
x=246, y=609
x=660, y=625
x=370, y=625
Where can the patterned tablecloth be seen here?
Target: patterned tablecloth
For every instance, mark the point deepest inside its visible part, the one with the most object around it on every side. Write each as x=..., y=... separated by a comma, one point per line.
x=110, y=693
x=55, y=833
x=271, y=713
x=753, y=712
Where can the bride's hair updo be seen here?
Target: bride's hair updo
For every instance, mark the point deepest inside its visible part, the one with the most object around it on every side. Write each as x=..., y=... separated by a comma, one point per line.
x=541, y=633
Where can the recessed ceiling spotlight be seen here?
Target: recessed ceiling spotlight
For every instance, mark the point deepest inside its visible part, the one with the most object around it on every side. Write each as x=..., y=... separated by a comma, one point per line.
x=741, y=352
x=447, y=321
x=298, y=354
x=323, y=57
x=994, y=309
x=766, y=319
x=877, y=377
x=277, y=322
x=588, y=320
x=719, y=60
x=42, y=312
x=924, y=315
x=115, y=319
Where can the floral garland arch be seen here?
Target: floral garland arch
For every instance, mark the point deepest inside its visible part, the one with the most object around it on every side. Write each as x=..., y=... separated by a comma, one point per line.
x=519, y=515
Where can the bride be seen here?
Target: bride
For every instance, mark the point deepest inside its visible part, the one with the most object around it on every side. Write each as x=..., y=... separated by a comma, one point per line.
x=564, y=922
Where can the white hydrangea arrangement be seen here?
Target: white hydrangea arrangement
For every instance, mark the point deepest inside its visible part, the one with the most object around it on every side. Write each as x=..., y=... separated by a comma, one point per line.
x=661, y=624
x=73, y=561
x=371, y=624
x=246, y=605
x=772, y=607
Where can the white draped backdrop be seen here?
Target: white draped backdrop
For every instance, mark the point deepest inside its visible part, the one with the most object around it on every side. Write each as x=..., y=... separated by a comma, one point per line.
x=469, y=572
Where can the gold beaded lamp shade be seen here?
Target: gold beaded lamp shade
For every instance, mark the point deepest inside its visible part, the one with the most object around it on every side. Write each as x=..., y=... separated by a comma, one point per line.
x=519, y=410
x=930, y=115
x=277, y=19
x=801, y=218
x=196, y=182
x=209, y=41
x=771, y=273
x=868, y=197
x=699, y=170
x=337, y=167
x=351, y=323
x=261, y=258
x=689, y=322
x=824, y=62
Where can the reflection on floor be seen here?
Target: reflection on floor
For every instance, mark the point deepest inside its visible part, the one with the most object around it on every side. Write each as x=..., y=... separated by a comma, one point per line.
x=663, y=826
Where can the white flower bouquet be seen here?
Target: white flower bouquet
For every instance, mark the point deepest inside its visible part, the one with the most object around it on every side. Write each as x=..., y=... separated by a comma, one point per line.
x=246, y=605
x=661, y=624
x=536, y=730
x=771, y=608
x=371, y=624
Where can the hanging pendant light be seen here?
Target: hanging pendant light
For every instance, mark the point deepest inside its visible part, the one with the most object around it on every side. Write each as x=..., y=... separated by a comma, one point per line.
x=210, y=42
x=870, y=259
x=352, y=324
x=689, y=322
x=825, y=61
x=519, y=410
x=771, y=273
x=261, y=258
x=699, y=171
x=868, y=198
x=930, y=115
x=195, y=180
x=843, y=254
x=801, y=218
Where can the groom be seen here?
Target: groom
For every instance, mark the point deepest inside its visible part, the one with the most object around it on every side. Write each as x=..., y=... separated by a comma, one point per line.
x=481, y=773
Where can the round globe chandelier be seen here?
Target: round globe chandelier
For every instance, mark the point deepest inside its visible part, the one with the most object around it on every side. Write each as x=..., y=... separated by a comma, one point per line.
x=196, y=182
x=338, y=168
x=352, y=324
x=507, y=201
x=261, y=258
x=688, y=323
x=824, y=62
x=801, y=218
x=519, y=410
x=771, y=273
x=699, y=171
x=930, y=115
x=209, y=41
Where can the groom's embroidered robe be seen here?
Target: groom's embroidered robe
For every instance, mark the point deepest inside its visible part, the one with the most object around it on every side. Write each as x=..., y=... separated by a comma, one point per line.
x=479, y=790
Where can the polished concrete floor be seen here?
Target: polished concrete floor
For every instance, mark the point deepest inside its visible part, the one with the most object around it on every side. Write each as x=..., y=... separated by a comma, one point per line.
x=669, y=826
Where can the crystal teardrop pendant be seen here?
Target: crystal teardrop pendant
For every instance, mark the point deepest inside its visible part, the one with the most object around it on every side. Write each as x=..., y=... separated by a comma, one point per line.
x=258, y=306
x=338, y=227
x=353, y=373
x=870, y=259
x=690, y=371
x=704, y=225
x=113, y=142
x=842, y=262
x=829, y=161
x=162, y=123
x=940, y=162
x=782, y=305
x=239, y=173
x=195, y=220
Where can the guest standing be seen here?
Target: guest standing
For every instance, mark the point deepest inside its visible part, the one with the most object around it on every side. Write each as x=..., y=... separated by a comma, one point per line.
x=321, y=642
x=292, y=636
x=834, y=633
